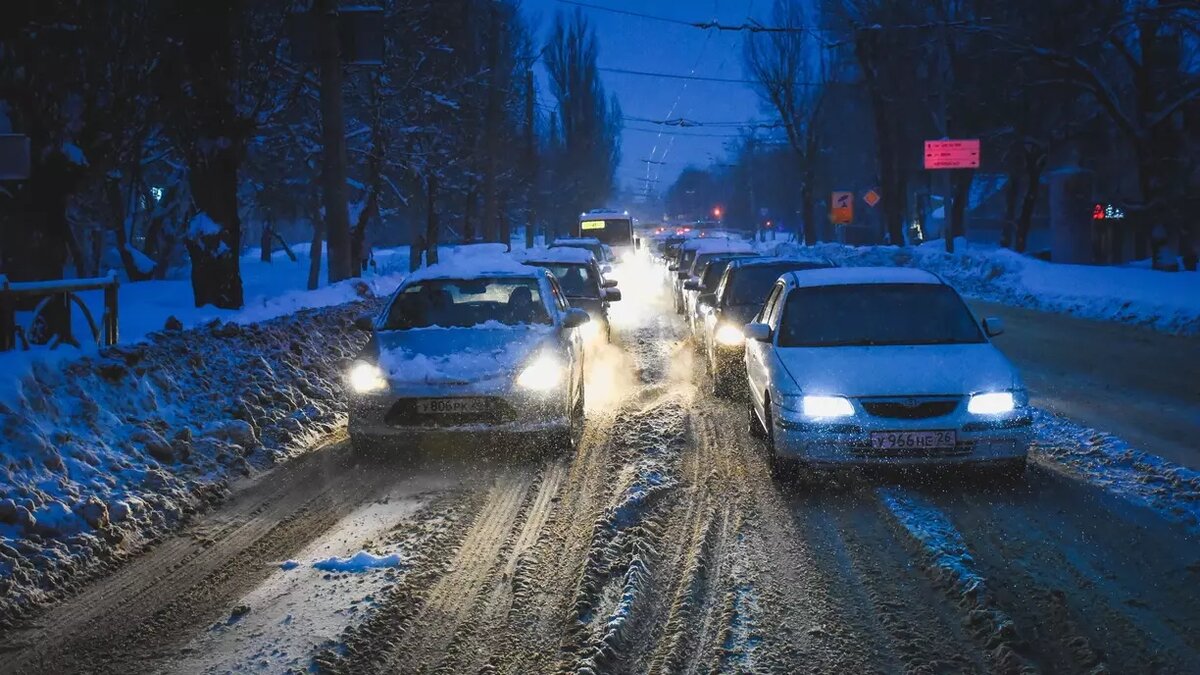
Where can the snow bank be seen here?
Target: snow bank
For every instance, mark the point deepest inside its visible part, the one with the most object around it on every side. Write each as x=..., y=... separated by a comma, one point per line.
x=107, y=451
x=1100, y=459
x=1164, y=301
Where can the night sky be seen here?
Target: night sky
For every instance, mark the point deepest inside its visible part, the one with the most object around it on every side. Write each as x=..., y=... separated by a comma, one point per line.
x=633, y=43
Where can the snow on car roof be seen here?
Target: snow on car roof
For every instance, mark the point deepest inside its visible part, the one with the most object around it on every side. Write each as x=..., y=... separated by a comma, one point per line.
x=562, y=254
x=565, y=241
x=844, y=276
x=473, y=262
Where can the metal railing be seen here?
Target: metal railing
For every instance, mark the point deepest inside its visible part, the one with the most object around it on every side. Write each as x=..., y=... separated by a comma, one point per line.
x=54, y=308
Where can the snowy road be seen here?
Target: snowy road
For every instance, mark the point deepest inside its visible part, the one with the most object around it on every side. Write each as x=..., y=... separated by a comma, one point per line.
x=662, y=545
x=1136, y=383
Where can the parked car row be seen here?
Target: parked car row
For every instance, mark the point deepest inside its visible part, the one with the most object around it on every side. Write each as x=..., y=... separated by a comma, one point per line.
x=850, y=366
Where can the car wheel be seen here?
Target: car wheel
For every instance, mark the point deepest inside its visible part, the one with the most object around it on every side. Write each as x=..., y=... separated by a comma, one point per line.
x=779, y=466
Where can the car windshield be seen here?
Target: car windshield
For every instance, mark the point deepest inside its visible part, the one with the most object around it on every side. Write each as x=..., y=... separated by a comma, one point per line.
x=461, y=303
x=875, y=315
x=576, y=280
x=750, y=285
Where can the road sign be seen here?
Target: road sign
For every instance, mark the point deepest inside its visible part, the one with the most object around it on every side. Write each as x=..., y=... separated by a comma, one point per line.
x=871, y=198
x=841, y=208
x=962, y=154
x=14, y=157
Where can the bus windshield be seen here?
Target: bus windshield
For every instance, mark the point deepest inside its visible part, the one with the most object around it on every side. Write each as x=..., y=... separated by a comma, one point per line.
x=611, y=231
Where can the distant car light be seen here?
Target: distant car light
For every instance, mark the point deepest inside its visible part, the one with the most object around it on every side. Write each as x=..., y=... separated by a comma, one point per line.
x=824, y=407
x=992, y=403
x=544, y=374
x=730, y=335
x=366, y=378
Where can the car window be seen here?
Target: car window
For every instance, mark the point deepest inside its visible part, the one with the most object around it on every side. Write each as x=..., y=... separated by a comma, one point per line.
x=764, y=315
x=876, y=314
x=460, y=303
x=575, y=280
x=752, y=283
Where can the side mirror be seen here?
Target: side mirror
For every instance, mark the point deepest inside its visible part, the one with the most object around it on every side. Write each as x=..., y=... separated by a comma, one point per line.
x=365, y=323
x=757, y=331
x=610, y=283
x=574, y=318
x=692, y=284
x=612, y=294
x=672, y=267
x=993, y=326
x=606, y=269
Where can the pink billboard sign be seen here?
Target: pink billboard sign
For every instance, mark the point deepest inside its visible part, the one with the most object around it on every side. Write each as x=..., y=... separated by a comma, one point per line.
x=962, y=154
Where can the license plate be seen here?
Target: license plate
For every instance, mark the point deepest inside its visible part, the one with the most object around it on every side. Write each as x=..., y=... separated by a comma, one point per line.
x=440, y=406
x=912, y=440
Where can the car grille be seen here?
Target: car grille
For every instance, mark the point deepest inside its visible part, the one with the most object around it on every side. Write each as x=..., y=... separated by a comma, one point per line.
x=403, y=413
x=866, y=450
x=918, y=408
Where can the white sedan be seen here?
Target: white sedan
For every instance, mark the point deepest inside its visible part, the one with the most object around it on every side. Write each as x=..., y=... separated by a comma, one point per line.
x=866, y=366
x=488, y=353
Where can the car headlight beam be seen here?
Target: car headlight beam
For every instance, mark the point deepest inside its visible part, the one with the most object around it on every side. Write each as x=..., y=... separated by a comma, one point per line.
x=826, y=407
x=366, y=378
x=730, y=335
x=992, y=403
x=544, y=374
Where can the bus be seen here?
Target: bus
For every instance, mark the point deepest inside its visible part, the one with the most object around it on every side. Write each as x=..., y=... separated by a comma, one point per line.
x=614, y=228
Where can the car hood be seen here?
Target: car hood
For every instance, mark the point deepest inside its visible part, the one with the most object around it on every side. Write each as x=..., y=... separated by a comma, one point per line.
x=459, y=355
x=899, y=370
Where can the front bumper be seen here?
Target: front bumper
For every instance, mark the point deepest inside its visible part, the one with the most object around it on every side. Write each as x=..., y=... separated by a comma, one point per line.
x=512, y=416
x=847, y=442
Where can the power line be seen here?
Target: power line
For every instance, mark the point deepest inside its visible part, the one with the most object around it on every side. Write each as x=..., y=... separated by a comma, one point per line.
x=674, y=76
x=681, y=134
x=684, y=123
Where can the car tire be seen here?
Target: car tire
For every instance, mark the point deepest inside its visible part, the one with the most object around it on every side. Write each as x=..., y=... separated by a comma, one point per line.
x=756, y=428
x=780, y=467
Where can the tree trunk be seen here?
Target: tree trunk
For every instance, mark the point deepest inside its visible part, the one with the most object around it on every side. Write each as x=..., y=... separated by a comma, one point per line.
x=431, y=222
x=314, y=251
x=960, y=193
x=531, y=171
x=808, y=222
x=333, y=136
x=216, y=275
x=1035, y=162
x=1011, y=192
x=264, y=246
x=491, y=199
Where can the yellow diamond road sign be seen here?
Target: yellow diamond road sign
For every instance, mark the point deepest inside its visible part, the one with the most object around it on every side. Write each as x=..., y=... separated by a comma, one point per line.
x=871, y=198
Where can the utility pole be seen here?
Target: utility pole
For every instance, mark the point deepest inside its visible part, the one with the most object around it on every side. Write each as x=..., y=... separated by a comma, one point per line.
x=333, y=137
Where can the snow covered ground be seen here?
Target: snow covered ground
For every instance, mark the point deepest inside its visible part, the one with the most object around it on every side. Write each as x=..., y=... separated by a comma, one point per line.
x=1164, y=301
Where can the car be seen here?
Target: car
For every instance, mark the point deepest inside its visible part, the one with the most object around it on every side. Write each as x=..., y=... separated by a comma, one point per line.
x=579, y=276
x=739, y=295
x=709, y=267
x=703, y=250
x=601, y=252
x=881, y=366
x=489, y=350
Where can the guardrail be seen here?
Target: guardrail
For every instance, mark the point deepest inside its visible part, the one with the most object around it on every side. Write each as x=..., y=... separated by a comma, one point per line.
x=59, y=295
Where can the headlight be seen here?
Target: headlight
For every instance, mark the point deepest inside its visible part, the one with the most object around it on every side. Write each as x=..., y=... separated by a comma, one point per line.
x=543, y=374
x=366, y=378
x=992, y=403
x=824, y=407
x=730, y=335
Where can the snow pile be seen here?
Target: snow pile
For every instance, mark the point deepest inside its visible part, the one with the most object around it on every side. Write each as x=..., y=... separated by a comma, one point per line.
x=1101, y=459
x=1169, y=302
x=359, y=562
x=108, y=451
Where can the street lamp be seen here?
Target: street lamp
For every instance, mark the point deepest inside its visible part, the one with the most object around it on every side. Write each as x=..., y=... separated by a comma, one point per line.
x=717, y=212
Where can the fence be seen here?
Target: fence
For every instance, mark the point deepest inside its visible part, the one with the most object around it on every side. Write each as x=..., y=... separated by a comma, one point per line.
x=54, y=309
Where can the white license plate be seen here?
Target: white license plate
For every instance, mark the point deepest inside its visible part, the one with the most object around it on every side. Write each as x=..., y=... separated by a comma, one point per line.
x=912, y=440
x=439, y=406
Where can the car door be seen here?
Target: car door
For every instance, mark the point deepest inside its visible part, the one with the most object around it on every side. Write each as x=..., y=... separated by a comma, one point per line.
x=572, y=342
x=758, y=354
